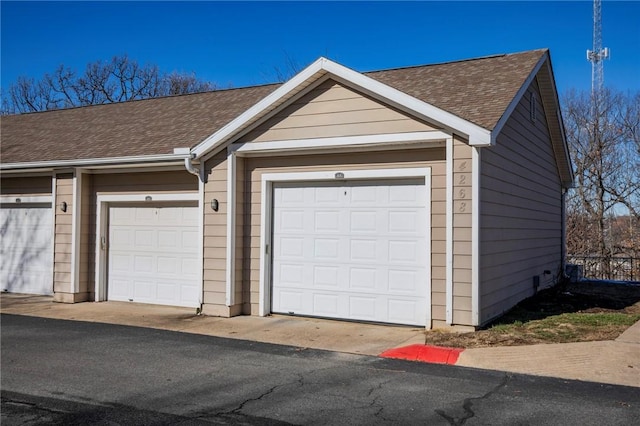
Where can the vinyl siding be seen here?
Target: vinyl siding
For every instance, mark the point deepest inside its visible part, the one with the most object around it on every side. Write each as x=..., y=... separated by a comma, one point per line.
x=255, y=167
x=521, y=219
x=62, y=255
x=462, y=219
x=332, y=110
x=215, y=233
x=26, y=186
x=87, y=238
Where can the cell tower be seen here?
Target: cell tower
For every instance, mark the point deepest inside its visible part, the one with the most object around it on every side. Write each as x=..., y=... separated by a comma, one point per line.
x=598, y=54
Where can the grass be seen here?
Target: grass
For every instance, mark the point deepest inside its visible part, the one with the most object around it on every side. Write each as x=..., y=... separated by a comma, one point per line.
x=571, y=313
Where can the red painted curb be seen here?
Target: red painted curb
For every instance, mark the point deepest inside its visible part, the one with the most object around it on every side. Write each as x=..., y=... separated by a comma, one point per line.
x=424, y=353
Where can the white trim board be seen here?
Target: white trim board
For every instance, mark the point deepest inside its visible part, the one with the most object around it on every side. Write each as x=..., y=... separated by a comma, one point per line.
x=317, y=71
x=103, y=201
x=105, y=162
x=266, y=212
x=449, y=234
x=433, y=138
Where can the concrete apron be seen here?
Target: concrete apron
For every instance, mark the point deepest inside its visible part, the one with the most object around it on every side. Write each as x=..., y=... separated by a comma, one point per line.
x=340, y=336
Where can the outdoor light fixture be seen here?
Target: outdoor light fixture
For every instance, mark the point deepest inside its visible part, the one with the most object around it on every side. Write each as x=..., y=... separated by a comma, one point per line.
x=148, y=198
x=214, y=205
x=63, y=207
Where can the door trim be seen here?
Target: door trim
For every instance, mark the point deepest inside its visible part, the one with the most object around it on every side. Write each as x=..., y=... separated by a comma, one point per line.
x=266, y=217
x=103, y=202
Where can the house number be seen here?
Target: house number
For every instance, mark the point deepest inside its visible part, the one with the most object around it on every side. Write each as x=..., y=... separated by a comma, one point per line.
x=463, y=180
x=463, y=166
x=462, y=194
x=463, y=207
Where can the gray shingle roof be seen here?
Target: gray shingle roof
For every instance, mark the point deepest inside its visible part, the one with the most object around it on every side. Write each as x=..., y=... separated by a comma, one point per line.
x=477, y=90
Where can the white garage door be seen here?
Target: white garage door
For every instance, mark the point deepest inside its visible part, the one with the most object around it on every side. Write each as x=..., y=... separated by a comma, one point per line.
x=26, y=257
x=153, y=255
x=351, y=250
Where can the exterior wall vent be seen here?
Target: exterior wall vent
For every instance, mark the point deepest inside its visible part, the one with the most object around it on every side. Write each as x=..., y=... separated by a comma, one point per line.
x=532, y=106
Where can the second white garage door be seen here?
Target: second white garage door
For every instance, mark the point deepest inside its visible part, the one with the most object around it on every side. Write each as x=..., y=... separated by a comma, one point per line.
x=153, y=255
x=351, y=250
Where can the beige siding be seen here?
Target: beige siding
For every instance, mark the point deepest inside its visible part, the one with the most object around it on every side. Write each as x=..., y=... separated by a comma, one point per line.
x=87, y=238
x=433, y=158
x=240, y=238
x=462, y=220
x=333, y=110
x=215, y=234
x=521, y=220
x=26, y=186
x=62, y=257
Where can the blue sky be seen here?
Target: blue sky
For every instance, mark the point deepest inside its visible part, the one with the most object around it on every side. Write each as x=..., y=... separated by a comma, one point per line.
x=241, y=43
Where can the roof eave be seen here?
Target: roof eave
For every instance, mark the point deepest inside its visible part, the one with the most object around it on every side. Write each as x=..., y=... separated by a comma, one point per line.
x=476, y=135
x=177, y=157
x=555, y=122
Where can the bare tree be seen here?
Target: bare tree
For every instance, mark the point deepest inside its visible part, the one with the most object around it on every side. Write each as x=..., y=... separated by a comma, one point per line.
x=603, y=136
x=120, y=79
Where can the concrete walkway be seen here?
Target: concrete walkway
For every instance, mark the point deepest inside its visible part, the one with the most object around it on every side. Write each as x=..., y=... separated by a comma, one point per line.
x=614, y=362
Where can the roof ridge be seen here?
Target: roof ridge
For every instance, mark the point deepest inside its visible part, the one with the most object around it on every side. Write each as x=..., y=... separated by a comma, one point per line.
x=156, y=98
x=457, y=61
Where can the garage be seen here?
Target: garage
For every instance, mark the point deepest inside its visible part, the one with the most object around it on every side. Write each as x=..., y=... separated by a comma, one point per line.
x=354, y=250
x=26, y=257
x=153, y=255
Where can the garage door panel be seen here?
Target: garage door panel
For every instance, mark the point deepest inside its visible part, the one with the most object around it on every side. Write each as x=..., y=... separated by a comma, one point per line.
x=26, y=249
x=354, y=250
x=153, y=255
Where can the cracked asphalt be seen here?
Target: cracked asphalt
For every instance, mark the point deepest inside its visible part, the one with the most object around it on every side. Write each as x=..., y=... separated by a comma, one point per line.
x=69, y=372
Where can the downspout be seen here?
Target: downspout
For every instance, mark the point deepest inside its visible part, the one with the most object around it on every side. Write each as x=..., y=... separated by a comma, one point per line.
x=199, y=173
x=188, y=164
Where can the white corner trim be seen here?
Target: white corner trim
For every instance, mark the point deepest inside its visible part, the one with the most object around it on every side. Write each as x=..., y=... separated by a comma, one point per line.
x=427, y=188
x=449, y=234
x=76, y=232
x=266, y=198
x=102, y=204
x=231, y=230
x=340, y=142
x=266, y=212
x=475, y=236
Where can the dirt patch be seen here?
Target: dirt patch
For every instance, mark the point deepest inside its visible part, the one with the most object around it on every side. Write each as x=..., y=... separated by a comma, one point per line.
x=580, y=312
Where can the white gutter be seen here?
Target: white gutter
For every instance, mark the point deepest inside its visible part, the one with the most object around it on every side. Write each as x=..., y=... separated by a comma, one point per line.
x=178, y=155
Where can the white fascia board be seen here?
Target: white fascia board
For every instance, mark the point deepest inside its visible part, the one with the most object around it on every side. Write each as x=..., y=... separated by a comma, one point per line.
x=114, y=162
x=477, y=135
x=265, y=105
x=339, y=142
x=516, y=100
